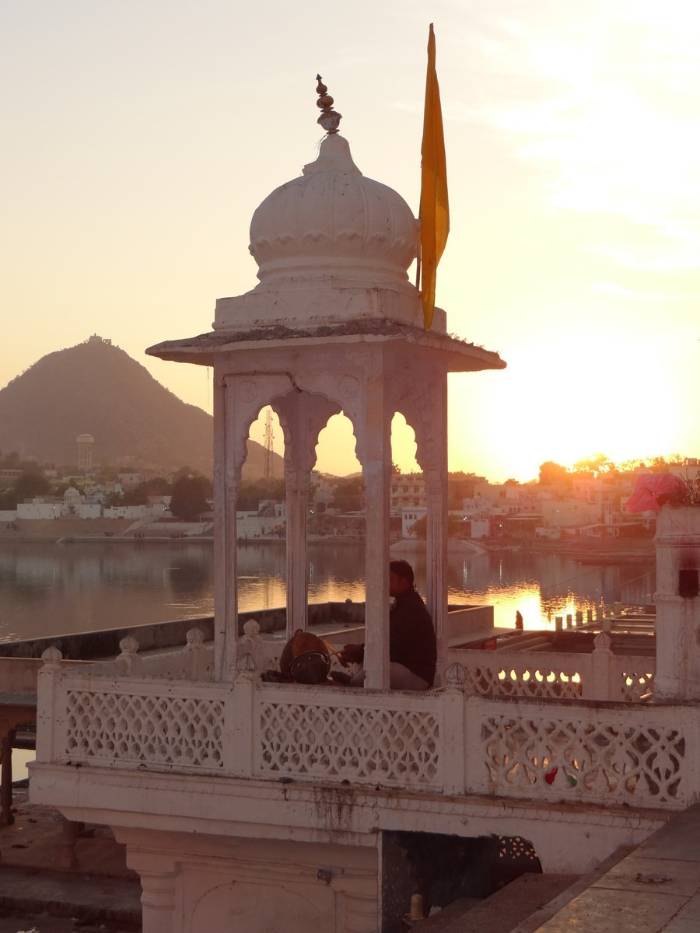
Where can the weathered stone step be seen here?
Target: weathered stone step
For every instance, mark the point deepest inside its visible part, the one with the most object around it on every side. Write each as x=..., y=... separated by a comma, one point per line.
x=88, y=898
x=541, y=915
x=501, y=912
x=653, y=888
x=44, y=923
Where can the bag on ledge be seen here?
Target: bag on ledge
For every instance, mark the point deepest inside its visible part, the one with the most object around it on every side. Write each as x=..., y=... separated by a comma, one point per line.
x=305, y=659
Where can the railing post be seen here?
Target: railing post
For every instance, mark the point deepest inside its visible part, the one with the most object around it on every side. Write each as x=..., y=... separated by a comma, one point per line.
x=474, y=764
x=197, y=654
x=251, y=643
x=128, y=661
x=600, y=685
x=239, y=722
x=50, y=708
x=453, y=734
x=297, y=484
x=689, y=720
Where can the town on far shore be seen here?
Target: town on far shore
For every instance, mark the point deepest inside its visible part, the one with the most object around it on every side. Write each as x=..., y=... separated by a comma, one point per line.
x=578, y=510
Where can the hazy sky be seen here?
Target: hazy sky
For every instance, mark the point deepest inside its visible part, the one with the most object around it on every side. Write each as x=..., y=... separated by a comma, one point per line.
x=138, y=138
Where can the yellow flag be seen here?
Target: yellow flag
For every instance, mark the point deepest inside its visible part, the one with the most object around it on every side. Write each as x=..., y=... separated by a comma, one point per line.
x=434, y=205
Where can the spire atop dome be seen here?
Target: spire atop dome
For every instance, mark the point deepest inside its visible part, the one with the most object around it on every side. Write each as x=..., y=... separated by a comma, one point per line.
x=331, y=245
x=329, y=119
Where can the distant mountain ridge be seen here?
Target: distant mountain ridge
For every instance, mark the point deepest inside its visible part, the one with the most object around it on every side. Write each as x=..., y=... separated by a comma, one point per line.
x=97, y=388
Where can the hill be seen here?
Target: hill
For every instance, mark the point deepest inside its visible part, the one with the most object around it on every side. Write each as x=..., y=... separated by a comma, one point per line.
x=96, y=388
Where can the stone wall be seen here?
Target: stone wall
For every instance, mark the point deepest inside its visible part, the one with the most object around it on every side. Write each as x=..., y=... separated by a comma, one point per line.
x=159, y=635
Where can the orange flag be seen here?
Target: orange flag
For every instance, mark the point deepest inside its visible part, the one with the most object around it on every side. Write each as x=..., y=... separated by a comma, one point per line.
x=434, y=205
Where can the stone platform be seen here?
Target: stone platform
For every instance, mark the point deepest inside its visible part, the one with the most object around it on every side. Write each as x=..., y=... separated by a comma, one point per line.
x=653, y=889
x=40, y=838
x=502, y=911
x=53, y=902
x=58, y=878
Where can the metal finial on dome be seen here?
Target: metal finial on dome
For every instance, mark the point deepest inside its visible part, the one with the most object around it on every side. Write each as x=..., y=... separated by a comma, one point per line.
x=330, y=118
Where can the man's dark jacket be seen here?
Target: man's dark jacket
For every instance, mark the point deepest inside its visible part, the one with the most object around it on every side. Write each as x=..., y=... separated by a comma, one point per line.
x=412, y=636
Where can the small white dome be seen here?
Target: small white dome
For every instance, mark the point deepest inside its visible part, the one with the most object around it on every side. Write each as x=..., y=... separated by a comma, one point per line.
x=333, y=220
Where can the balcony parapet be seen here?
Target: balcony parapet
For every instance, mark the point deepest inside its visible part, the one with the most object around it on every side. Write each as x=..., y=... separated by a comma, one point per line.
x=558, y=675
x=449, y=742
x=193, y=661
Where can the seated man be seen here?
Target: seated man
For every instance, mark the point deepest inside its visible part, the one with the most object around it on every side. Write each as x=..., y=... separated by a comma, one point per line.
x=412, y=647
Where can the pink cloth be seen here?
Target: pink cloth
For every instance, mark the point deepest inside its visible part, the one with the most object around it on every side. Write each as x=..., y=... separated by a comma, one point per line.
x=654, y=490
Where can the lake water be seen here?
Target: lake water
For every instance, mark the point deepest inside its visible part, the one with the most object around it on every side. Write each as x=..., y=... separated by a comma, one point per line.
x=51, y=589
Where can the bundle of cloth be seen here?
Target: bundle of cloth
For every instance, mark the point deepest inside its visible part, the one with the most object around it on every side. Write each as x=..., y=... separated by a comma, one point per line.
x=306, y=659
x=654, y=490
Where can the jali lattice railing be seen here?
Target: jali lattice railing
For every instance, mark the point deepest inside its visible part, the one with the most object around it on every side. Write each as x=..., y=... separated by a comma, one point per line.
x=640, y=756
x=348, y=735
x=557, y=675
x=445, y=741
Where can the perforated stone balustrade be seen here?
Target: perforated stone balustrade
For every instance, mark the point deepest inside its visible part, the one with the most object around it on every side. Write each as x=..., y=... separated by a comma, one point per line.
x=193, y=661
x=449, y=741
x=550, y=675
x=556, y=675
x=616, y=756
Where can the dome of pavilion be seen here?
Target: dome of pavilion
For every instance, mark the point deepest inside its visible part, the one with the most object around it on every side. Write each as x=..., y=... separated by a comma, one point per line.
x=333, y=247
x=334, y=220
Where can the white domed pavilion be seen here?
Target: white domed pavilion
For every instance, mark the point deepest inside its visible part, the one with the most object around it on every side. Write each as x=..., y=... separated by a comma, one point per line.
x=334, y=325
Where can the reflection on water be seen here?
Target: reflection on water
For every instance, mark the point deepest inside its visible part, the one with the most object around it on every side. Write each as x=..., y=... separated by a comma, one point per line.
x=50, y=589
x=542, y=586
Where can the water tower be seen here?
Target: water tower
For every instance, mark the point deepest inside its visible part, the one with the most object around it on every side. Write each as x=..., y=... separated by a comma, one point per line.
x=86, y=448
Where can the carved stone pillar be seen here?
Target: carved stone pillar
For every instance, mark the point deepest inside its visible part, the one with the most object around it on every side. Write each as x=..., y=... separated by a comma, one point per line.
x=228, y=458
x=677, y=603
x=158, y=903
x=158, y=873
x=302, y=415
x=296, y=481
x=238, y=399
x=424, y=404
x=374, y=446
x=434, y=463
